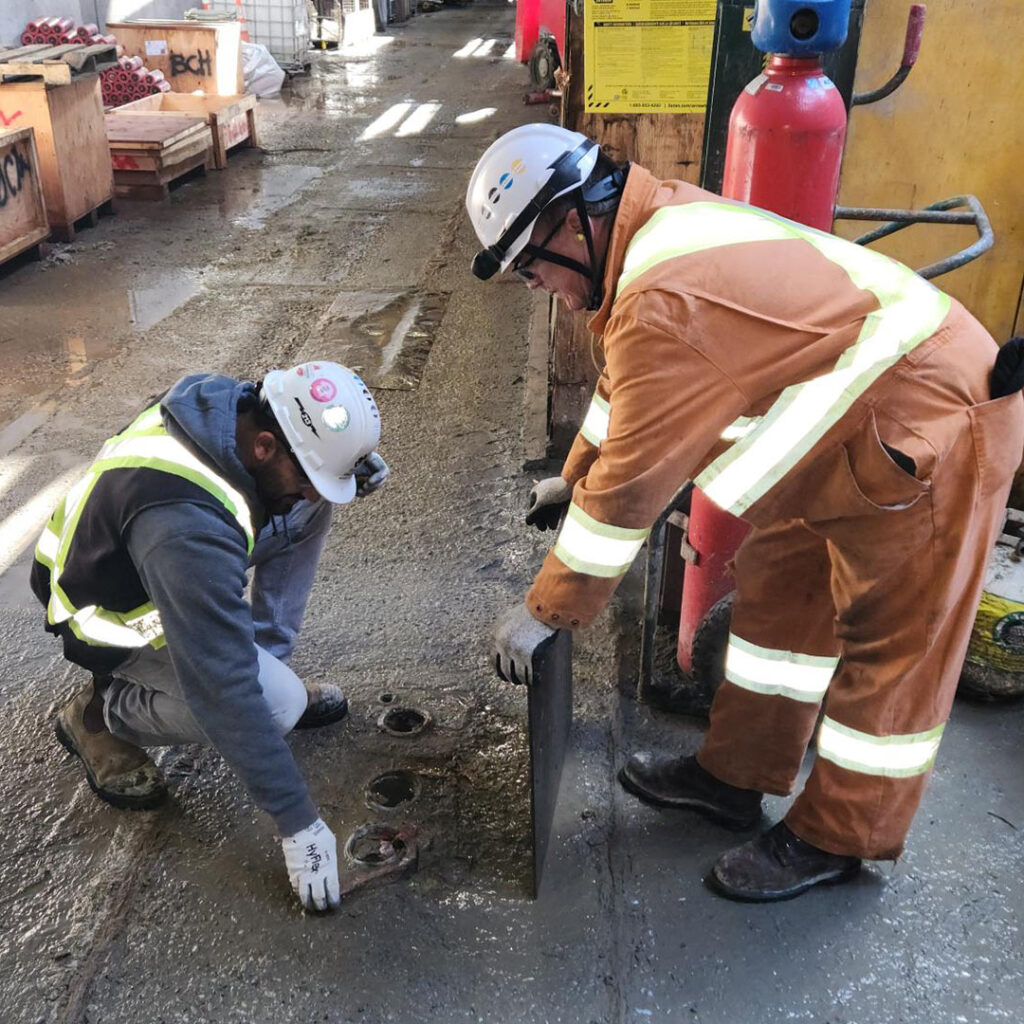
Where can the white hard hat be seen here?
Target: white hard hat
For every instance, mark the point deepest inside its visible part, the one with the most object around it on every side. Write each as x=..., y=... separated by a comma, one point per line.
x=329, y=419
x=520, y=174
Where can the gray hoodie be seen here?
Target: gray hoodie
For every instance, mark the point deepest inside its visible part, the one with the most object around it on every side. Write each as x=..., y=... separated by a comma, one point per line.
x=192, y=560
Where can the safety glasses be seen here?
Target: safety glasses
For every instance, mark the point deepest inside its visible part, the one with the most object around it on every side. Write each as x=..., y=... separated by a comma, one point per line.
x=520, y=265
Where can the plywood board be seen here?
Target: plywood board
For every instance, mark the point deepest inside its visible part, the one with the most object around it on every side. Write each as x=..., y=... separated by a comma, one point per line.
x=954, y=126
x=192, y=55
x=151, y=131
x=669, y=146
x=23, y=222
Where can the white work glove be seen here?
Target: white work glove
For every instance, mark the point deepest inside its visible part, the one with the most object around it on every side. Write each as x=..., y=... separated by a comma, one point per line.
x=371, y=474
x=548, y=501
x=517, y=637
x=311, y=857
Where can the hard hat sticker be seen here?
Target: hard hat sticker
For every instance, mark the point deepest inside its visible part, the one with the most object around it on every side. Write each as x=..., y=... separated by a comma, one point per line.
x=307, y=420
x=336, y=418
x=322, y=390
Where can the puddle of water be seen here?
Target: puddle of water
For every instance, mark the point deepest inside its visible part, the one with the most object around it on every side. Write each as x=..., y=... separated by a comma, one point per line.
x=161, y=296
x=385, y=336
x=278, y=187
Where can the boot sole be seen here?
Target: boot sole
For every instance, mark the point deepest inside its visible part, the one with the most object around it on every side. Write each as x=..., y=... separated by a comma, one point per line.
x=726, y=890
x=119, y=800
x=327, y=719
x=706, y=810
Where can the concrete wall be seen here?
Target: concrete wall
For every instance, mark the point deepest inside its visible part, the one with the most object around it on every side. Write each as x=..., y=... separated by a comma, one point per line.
x=14, y=14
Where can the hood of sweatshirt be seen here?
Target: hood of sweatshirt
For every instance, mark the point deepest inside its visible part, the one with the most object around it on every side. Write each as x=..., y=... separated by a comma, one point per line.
x=202, y=409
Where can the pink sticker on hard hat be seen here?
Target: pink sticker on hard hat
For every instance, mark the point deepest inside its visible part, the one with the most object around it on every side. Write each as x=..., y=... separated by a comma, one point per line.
x=322, y=390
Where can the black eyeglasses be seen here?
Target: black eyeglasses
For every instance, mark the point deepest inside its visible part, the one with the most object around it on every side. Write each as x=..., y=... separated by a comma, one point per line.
x=290, y=452
x=519, y=266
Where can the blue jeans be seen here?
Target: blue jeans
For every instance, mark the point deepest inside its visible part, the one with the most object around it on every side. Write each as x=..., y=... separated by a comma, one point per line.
x=144, y=703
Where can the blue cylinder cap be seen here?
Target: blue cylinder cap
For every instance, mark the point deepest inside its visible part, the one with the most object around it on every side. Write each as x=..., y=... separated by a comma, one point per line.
x=800, y=28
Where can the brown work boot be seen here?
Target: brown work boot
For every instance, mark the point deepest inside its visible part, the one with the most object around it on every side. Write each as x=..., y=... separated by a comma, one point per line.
x=118, y=772
x=326, y=704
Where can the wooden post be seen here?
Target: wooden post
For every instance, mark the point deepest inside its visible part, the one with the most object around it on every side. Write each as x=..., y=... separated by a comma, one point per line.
x=669, y=146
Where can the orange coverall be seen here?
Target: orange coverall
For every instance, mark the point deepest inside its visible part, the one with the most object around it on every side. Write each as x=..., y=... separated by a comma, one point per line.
x=858, y=583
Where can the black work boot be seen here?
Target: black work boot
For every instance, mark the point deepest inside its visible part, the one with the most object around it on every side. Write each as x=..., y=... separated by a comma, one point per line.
x=778, y=866
x=680, y=782
x=120, y=773
x=326, y=704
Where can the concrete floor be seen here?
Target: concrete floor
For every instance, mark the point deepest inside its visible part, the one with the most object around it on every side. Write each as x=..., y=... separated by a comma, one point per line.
x=343, y=243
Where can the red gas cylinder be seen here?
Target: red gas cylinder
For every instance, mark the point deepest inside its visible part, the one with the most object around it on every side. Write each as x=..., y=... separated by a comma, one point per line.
x=785, y=145
x=527, y=28
x=784, y=152
x=714, y=536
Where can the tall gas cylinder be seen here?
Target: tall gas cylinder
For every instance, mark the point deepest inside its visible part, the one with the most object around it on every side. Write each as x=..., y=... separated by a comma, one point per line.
x=786, y=136
x=784, y=151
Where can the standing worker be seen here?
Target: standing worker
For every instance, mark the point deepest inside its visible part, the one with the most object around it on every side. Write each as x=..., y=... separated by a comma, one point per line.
x=142, y=570
x=830, y=397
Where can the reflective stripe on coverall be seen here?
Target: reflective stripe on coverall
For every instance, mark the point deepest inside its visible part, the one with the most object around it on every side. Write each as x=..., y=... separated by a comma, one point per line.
x=144, y=444
x=728, y=323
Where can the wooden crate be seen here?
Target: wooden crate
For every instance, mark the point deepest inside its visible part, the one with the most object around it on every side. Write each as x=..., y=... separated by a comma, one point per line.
x=74, y=162
x=191, y=54
x=232, y=119
x=148, y=152
x=23, y=223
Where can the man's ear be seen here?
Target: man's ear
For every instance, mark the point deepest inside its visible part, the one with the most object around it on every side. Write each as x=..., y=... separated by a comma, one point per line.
x=574, y=222
x=264, y=447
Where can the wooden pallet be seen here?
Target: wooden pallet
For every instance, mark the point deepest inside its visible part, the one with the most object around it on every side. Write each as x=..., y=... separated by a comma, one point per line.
x=56, y=64
x=89, y=219
x=148, y=153
x=232, y=119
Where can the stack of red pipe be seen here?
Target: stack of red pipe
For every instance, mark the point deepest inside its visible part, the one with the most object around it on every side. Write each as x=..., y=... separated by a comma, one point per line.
x=129, y=80
x=58, y=31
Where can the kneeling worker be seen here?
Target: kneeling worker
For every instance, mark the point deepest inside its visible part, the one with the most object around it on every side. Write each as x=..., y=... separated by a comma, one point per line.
x=142, y=569
x=843, y=406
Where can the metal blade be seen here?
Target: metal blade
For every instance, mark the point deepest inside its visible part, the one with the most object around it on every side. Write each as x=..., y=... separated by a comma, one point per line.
x=550, y=717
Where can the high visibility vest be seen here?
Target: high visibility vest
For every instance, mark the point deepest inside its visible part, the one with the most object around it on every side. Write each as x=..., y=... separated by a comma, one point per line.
x=764, y=448
x=145, y=444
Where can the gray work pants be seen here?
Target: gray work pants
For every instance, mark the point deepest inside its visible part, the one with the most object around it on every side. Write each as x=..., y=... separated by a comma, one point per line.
x=145, y=705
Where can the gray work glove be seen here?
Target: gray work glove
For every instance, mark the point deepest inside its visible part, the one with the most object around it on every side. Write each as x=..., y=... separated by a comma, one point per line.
x=371, y=474
x=311, y=857
x=548, y=501
x=517, y=637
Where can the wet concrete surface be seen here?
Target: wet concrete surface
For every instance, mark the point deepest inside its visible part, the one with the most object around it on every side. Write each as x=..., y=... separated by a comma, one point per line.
x=326, y=245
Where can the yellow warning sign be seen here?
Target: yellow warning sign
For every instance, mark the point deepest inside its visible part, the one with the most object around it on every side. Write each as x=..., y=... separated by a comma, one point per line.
x=997, y=639
x=647, y=56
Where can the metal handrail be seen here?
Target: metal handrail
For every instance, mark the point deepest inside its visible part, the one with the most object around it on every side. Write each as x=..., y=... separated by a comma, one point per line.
x=934, y=213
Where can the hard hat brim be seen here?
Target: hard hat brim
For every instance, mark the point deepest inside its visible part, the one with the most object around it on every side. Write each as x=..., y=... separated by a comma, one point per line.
x=337, y=490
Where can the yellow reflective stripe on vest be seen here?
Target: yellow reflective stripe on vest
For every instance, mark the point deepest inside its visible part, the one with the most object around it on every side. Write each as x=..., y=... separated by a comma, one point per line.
x=802, y=677
x=891, y=756
x=594, y=548
x=910, y=310
x=158, y=450
x=46, y=546
x=144, y=444
x=102, y=628
x=595, y=423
